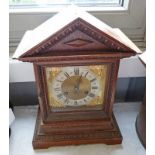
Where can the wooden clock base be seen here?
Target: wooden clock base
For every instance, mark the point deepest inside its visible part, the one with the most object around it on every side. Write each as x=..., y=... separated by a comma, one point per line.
x=43, y=139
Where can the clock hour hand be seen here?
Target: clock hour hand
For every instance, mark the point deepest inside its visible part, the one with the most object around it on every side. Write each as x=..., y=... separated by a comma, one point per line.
x=76, y=88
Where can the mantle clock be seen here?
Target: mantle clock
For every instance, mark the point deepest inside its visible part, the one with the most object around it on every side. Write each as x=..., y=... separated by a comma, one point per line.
x=76, y=60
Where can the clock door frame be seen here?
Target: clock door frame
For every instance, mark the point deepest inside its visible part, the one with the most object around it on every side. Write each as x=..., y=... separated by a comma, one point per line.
x=48, y=116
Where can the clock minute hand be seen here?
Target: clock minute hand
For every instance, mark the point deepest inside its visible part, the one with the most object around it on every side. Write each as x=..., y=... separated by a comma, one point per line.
x=78, y=83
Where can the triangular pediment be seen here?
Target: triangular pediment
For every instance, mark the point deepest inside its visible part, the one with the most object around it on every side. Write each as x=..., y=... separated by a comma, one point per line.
x=78, y=35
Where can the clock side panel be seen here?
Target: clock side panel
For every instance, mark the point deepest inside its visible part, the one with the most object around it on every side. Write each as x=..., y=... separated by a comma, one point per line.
x=44, y=110
x=111, y=89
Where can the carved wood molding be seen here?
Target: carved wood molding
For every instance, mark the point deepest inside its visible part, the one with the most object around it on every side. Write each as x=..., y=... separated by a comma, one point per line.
x=84, y=27
x=45, y=140
x=77, y=57
x=79, y=136
x=78, y=42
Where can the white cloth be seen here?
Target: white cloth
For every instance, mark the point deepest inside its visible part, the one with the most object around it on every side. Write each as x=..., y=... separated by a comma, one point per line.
x=11, y=116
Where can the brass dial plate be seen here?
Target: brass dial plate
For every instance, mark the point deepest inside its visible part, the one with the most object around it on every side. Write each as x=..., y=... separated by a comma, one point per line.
x=76, y=86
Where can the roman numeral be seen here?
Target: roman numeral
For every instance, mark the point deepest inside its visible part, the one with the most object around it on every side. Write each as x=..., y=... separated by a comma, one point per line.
x=75, y=102
x=85, y=74
x=67, y=75
x=59, y=81
x=94, y=87
x=91, y=95
x=60, y=96
x=57, y=89
x=93, y=80
x=85, y=100
x=66, y=100
x=76, y=71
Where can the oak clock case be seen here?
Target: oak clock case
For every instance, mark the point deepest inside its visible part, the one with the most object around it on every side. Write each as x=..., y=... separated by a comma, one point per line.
x=76, y=73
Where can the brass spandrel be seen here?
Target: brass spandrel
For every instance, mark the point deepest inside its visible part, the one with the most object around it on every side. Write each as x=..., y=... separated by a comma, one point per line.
x=51, y=74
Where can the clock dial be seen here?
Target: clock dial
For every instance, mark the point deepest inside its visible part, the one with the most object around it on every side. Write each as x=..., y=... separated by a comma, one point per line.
x=76, y=86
